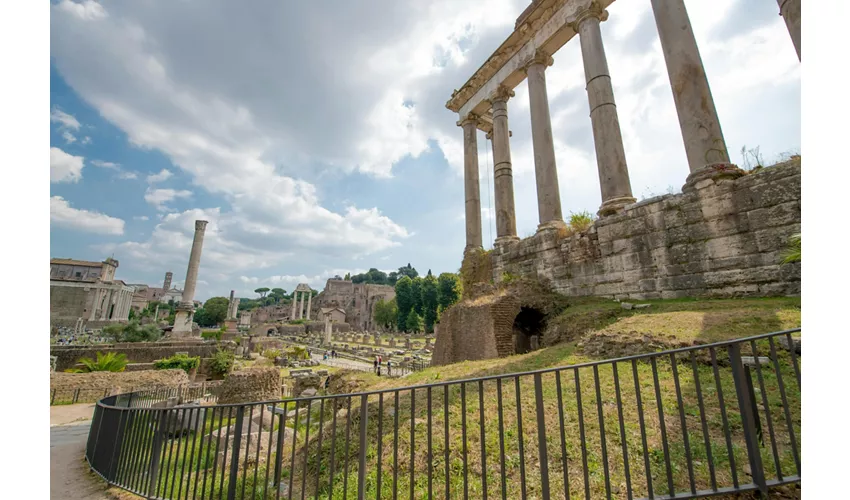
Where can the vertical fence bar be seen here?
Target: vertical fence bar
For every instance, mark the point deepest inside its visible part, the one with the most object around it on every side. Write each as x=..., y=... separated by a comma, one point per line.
x=767, y=413
x=333, y=451
x=793, y=351
x=294, y=445
x=361, y=470
x=601, y=413
x=501, y=438
x=563, y=434
x=791, y=434
x=483, y=441
x=705, y=435
x=670, y=490
x=76, y=396
x=319, y=446
x=430, y=450
x=725, y=420
x=306, y=448
x=380, y=444
x=581, y=434
x=395, y=446
x=622, y=430
x=347, y=443
x=747, y=418
x=234, y=460
x=520, y=436
x=541, y=436
x=446, y=441
x=642, y=425
x=156, y=448
x=463, y=439
x=685, y=438
x=52, y=397
x=412, y=436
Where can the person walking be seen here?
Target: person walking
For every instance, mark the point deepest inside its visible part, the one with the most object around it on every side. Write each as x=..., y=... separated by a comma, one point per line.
x=375, y=365
x=389, y=368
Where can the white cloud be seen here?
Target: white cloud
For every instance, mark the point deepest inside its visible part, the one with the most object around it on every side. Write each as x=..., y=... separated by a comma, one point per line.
x=141, y=217
x=65, y=167
x=163, y=175
x=63, y=215
x=105, y=164
x=128, y=175
x=64, y=119
x=158, y=197
x=86, y=140
x=87, y=10
x=69, y=137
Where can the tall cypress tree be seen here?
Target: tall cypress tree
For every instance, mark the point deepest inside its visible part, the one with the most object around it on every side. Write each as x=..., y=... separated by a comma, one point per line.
x=404, y=301
x=429, y=301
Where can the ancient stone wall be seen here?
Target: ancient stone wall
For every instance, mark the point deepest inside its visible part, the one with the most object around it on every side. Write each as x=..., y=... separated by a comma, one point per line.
x=722, y=239
x=70, y=303
x=476, y=329
x=118, y=381
x=357, y=299
x=250, y=385
x=139, y=352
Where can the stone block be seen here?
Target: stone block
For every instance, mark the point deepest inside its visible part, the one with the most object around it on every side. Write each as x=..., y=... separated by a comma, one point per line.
x=783, y=214
x=775, y=238
x=730, y=246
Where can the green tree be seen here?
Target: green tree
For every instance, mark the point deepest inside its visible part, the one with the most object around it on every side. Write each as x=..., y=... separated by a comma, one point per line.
x=216, y=310
x=414, y=322
x=109, y=362
x=262, y=291
x=386, y=313
x=392, y=278
x=347, y=276
x=404, y=301
x=448, y=289
x=429, y=301
x=277, y=294
x=408, y=271
x=416, y=295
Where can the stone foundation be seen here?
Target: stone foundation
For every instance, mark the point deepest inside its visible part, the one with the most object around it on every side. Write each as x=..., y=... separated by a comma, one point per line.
x=137, y=352
x=722, y=237
x=250, y=385
x=118, y=381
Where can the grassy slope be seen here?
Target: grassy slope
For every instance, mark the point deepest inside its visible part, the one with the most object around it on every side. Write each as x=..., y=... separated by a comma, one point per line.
x=683, y=320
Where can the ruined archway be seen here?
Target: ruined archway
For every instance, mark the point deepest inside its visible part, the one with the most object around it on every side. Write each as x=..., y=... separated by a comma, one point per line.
x=272, y=331
x=528, y=329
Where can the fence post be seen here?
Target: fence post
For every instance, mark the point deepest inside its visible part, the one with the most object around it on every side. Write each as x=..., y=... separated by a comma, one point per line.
x=156, y=452
x=541, y=436
x=53, y=397
x=361, y=470
x=745, y=399
x=76, y=395
x=234, y=460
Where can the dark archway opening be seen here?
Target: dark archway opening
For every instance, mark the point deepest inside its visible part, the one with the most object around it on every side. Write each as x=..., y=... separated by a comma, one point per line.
x=528, y=330
x=271, y=332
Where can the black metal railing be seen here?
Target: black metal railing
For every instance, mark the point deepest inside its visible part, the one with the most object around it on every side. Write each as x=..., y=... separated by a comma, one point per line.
x=74, y=395
x=684, y=423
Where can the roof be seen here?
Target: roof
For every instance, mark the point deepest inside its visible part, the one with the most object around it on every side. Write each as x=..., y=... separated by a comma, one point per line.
x=75, y=262
x=325, y=310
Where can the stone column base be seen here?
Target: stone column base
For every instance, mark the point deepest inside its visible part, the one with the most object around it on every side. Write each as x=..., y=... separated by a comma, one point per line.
x=505, y=240
x=552, y=225
x=182, y=323
x=713, y=172
x=230, y=324
x=615, y=205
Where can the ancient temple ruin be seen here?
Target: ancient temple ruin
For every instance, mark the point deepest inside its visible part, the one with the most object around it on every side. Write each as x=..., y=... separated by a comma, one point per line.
x=720, y=237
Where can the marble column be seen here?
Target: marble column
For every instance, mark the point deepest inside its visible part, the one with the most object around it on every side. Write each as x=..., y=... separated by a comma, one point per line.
x=503, y=182
x=230, y=305
x=194, y=263
x=309, y=302
x=95, y=303
x=471, y=185
x=790, y=11
x=186, y=308
x=703, y=138
x=614, y=180
x=294, y=302
x=301, y=307
x=545, y=171
x=104, y=312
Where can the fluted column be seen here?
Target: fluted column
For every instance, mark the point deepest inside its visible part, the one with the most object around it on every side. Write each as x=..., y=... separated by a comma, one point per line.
x=301, y=307
x=545, y=171
x=294, y=302
x=472, y=191
x=614, y=180
x=230, y=311
x=703, y=138
x=790, y=11
x=309, y=302
x=194, y=264
x=503, y=182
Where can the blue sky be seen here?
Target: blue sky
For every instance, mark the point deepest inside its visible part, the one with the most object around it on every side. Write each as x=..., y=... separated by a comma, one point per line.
x=314, y=136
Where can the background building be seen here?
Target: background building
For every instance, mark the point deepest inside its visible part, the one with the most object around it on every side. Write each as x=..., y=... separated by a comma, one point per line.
x=87, y=290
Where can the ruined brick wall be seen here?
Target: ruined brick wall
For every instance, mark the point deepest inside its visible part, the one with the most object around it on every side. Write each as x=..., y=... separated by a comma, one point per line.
x=69, y=303
x=118, y=381
x=722, y=239
x=250, y=385
x=476, y=329
x=357, y=299
x=139, y=352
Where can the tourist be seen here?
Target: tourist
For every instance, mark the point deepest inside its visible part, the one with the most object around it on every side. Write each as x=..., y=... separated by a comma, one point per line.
x=375, y=365
x=389, y=368
x=379, y=370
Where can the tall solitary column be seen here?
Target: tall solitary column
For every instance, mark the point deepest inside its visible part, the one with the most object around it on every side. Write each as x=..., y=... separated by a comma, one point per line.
x=230, y=311
x=703, y=138
x=545, y=171
x=790, y=11
x=610, y=155
x=503, y=182
x=186, y=308
x=472, y=191
x=309, y=302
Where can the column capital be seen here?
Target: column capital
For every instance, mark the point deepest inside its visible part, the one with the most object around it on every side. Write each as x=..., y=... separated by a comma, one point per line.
x=469, y=118
x=501, y=93
x=200, y=225
x=539, y=57
x=593, y=11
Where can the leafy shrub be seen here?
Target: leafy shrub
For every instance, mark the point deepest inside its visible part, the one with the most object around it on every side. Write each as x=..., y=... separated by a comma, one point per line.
x=297, y=321
x=792, y=252
x=271, y=353
x=132, y=332
x=222, y=362
x=109, y=362
x=298, y=353
x=182, y=361
x=212, y=334
x=581, y=221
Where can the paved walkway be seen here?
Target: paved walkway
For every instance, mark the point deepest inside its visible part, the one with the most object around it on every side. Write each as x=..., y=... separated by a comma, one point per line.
x=70, y=477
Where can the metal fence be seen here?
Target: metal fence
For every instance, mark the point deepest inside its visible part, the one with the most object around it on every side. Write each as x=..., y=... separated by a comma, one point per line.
x=74, y=395
x=684, y=423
